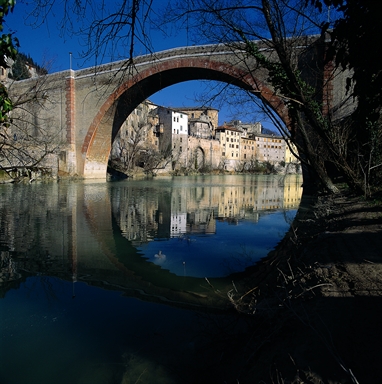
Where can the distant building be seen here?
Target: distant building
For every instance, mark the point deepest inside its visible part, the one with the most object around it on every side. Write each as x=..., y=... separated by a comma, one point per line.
x=248, y=129
x=4, y=72
x=269, y=148
x=199, y=118
x=191, y=139
x=201, y=127
x=290, y=149
x=175, y=134
x=229, y=138
x=248, y=149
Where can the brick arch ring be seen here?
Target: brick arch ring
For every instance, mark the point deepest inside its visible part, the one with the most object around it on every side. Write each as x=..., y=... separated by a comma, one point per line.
x=105, y=125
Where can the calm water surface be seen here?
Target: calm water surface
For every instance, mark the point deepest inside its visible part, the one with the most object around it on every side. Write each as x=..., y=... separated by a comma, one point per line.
x=128, y=281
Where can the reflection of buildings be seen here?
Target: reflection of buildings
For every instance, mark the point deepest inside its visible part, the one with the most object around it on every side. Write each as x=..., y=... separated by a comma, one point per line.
x=178, y=224
x=66, y=230
x=292, y=192
x=195, y=208
x=175, y=134
x=201, y=222
x=135, y=214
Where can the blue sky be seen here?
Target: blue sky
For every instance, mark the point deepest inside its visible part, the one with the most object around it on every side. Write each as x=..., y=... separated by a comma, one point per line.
x=47, y=48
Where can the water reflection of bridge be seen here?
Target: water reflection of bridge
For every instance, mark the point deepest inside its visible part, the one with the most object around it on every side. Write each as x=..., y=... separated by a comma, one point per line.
x=90, y=232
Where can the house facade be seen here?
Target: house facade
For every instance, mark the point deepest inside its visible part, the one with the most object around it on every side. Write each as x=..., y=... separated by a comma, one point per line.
x=229, y=138
x=175, y=134
x=191, y=140
x=202, y=120
x=270, y=148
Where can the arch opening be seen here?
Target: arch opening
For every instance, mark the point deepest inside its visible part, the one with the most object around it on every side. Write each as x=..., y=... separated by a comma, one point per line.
x=199, y=159
x=119, y=105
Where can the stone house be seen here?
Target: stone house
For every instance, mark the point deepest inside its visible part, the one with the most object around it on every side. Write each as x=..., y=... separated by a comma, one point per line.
x=201, y=127
x=229, y=138
x=202, y=120
x=269, y=148
x=175, y=134
x=248, y=149
x=290, y=149
x=192, y=140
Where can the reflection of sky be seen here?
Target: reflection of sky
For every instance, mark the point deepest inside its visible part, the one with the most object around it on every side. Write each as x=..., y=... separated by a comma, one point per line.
x=231, y=249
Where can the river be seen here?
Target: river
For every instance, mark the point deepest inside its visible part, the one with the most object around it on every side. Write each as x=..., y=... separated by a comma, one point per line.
x=127, y=281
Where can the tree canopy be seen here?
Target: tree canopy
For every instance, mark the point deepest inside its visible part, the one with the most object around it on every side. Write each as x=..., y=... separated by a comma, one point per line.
x=20, y=67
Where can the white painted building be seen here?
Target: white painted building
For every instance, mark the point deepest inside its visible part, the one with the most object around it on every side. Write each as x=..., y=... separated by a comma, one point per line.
x=175, y=134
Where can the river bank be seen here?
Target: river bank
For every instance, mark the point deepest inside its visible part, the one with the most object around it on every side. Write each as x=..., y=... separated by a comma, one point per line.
x=316, y=301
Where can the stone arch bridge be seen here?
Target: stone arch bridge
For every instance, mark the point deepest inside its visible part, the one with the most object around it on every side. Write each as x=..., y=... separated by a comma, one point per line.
x=84, y=109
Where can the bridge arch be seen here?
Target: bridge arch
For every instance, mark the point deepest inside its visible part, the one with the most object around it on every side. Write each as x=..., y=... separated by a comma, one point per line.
x=114, y=111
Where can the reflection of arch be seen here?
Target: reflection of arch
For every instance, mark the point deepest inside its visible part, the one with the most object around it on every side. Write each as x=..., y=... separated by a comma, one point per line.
x=140, y=278
x=111, y=115
x=199, y=161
